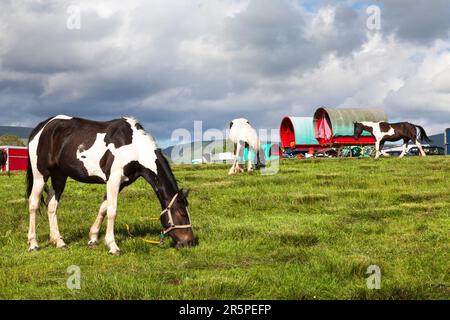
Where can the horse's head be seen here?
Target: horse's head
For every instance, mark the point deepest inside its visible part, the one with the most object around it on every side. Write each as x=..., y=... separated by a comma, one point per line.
x=358, y=129
x=176, y=221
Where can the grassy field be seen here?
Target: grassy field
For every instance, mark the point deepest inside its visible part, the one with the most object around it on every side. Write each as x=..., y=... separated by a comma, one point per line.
x=308, y=232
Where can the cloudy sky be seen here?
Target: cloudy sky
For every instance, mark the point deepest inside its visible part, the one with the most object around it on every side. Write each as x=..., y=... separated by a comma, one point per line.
x=170, y=62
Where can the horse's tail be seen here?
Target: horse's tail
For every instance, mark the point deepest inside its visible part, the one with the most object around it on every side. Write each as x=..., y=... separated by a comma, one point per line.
x=422, y=136
x=29, y=178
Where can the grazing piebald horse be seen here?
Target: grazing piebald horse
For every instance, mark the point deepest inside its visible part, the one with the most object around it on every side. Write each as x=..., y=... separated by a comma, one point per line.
x=3, y=159
x=383, y=131
x=115, y=153
x=243, y=135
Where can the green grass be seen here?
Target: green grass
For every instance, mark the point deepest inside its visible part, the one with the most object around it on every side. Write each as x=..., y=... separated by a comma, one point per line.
x=308, y=232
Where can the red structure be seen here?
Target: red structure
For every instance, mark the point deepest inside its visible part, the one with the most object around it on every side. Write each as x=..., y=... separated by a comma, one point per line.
x=17, y=158
x=298, y=133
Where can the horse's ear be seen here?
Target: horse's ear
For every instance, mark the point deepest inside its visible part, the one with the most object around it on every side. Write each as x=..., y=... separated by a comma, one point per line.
x=186, y=194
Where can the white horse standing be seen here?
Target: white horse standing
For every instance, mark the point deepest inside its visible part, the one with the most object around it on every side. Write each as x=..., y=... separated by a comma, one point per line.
x=243, y=135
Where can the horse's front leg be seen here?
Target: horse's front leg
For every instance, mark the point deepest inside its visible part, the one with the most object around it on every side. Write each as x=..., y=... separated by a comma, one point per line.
x=249, y=165
x=57, y=189
x=232, y=169
x=112, y=192
x=384, y=153
x=377, y=150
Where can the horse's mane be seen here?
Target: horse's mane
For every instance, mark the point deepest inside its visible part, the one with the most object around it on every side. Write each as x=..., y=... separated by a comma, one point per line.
x=167, y=170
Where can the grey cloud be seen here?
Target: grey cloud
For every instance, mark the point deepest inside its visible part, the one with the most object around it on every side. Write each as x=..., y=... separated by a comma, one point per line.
x=419, y=21
x=169, y=65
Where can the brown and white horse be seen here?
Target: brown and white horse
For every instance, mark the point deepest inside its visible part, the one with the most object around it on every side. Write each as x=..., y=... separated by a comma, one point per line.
x=3, y=159
x=115, y=153
x=383, y=131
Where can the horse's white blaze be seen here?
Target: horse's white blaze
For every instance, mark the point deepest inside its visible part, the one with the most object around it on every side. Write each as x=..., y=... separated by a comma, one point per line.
x=142, y=149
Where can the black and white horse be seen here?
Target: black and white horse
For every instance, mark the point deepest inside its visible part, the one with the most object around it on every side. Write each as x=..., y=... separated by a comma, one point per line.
x=3, y=159
x=115, y=153
x=383, y=131
x=243, y=135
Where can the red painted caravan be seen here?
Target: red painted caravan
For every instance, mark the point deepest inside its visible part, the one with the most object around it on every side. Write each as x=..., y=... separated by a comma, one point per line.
x=17, y=158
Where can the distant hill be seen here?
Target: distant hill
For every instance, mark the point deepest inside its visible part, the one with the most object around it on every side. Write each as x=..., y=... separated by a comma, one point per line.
x=220, y=146
x=22, y=132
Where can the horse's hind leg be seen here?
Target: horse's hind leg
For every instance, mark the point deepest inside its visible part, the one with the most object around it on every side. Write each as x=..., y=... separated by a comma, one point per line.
x=34, y=202
x=405, y=147
x=113, y=188
x=420, y=148
x=54, y=195
x=95, y=228
x=249, y=165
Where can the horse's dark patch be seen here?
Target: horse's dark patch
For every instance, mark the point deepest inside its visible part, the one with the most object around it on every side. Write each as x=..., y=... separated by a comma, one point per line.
x=132, y=171
x=384, y=127
x=368, y=129
x=106, y=162
x=120, y=134
x=139, y=126
x=231, y=124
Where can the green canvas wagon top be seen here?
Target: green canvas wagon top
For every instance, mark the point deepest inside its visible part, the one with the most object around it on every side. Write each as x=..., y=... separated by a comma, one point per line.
x=336, y=125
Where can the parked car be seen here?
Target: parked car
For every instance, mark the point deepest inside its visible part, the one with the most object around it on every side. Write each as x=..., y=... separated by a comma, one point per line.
x=292, y=153
x=429, y=150
x=394, y=153
x=328, y=153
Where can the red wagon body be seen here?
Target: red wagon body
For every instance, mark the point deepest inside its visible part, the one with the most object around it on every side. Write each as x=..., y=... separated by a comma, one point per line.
x=17, y=158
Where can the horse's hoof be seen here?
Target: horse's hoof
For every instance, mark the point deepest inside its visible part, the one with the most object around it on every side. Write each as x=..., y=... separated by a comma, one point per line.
x=92, y=243
x=59, y=244
x=114, y=253
x=34, y=248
